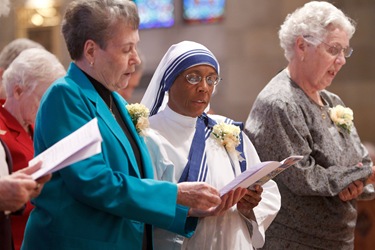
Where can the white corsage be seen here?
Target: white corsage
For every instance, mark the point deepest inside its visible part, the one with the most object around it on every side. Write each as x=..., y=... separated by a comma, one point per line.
x=139, y=114
x=342, y=117
x=228, y=135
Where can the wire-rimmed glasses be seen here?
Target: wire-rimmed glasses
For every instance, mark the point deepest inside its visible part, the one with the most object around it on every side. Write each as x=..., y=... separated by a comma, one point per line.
x=335, y=50
x=194, y=79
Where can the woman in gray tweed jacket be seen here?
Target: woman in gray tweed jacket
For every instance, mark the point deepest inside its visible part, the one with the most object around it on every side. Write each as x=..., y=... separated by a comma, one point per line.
x=294, y=114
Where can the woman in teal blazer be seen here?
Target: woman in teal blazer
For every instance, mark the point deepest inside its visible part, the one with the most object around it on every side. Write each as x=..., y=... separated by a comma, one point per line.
x=103, y=202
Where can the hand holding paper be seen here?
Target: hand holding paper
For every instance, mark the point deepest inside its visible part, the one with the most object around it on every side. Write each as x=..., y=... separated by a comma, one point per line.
x=228, y=200
x=260, y=173
x=79, y=145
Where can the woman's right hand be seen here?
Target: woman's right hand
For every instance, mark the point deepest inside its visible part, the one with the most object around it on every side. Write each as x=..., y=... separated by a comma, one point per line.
x=197, y=195
x=227, y=201
x=352, y=191
x=15, y=190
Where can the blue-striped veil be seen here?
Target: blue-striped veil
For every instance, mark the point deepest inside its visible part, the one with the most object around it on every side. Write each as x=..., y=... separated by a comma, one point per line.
x=178, y=58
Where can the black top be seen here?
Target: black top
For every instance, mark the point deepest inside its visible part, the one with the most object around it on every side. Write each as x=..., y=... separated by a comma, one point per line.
x=107, y=97
x=5, y=226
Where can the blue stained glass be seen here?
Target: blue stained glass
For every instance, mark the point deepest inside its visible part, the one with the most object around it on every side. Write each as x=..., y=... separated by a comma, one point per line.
x=203, y=10
x=155, y=13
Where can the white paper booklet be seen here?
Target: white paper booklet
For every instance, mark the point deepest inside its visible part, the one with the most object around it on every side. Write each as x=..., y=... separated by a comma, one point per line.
x=260, y=173
x=79, y=145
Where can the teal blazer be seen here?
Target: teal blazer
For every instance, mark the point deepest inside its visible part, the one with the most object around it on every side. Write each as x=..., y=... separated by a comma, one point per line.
x=101, y=202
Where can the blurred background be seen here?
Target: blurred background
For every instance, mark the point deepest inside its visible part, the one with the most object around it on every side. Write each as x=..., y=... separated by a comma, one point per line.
x=243, y=36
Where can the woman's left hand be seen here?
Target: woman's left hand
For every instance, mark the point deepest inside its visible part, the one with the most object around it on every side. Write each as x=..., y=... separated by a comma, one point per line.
x=352, y=191
x=250, y=200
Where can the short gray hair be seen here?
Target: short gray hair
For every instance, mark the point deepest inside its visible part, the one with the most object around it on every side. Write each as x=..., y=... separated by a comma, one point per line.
x=313, y=20
x=14, y=48
x=95, y=20
x=30, y=68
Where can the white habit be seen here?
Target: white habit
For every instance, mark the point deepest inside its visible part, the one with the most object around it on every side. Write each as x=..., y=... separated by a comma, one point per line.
x=169, y=141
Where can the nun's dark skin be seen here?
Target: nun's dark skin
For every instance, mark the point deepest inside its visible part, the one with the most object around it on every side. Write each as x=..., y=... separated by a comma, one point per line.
x=191, y=100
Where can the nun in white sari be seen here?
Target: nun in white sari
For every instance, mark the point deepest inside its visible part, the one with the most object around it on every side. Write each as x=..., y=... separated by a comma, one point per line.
x=183, y=147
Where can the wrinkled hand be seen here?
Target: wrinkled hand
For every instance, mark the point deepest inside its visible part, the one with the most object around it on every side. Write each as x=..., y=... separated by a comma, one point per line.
x=250, y=200
x=227, y=201
x=40, y=181
x=18, y=188
x=15, y=191
x=197, y=195
x=352, y=191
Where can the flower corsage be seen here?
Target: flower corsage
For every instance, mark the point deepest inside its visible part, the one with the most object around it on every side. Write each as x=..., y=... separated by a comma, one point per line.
x=228, y=135
x=139, y=114
x=342, y=117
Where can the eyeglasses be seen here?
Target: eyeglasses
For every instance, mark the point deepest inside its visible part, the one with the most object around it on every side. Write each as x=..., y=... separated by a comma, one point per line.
x=195, y=79
x=335, y=50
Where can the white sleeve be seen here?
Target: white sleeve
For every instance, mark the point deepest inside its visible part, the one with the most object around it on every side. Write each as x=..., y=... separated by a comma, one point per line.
x=265, y=212
x=3, y=163
x=270, y=204
x=159, y=156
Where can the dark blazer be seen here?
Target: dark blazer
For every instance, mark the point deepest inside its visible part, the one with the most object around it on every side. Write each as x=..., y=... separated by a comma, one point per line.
x=101, y=202
x=5, y=228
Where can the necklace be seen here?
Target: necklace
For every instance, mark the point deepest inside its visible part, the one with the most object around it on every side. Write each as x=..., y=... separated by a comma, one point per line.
x=110, y=105
x=324, y=107
x=323, y=110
